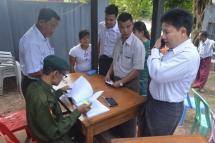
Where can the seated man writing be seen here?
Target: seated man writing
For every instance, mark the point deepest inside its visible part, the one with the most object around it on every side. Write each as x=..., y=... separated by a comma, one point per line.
x=44, y=115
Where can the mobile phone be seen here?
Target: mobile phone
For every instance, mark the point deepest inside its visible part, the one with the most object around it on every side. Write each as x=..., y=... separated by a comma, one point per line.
x=109, y=83
x=162, y=43
x=111, y=102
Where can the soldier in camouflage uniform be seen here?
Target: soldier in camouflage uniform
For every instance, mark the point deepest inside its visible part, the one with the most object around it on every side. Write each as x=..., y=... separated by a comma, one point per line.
x=44, y=115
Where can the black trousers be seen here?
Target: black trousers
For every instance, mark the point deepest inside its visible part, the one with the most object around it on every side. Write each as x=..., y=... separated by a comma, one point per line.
x=26, y=81
x=104, y=64
x=159, y=118
x=125, y=130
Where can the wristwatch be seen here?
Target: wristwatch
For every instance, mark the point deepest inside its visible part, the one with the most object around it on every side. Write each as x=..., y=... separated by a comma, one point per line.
x=121, y=84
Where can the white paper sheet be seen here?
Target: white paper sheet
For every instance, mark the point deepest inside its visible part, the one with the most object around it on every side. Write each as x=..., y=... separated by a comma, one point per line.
x=96, y=109
x=82, y=92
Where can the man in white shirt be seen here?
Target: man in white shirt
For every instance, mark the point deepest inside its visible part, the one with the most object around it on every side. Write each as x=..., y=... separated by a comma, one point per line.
x=108, y=33
x=171, y=75
x=34, y=46
x=128, y=60
x=205, y=49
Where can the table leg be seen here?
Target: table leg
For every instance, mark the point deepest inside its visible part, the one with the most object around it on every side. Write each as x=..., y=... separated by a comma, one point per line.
x=89, y=135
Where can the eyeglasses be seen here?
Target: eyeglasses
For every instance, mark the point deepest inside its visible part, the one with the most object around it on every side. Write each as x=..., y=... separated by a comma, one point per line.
x=63, y=73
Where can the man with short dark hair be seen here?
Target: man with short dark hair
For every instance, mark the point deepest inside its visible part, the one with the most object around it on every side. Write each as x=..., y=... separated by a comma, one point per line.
x=45, y=118
x=108, y=33
x=205, y=49
x=128, y=60
x=128, y=56
x=34, y=46
x=171, y=74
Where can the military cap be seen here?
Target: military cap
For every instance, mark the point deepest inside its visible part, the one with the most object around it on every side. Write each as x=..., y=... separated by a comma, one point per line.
x=55, y=62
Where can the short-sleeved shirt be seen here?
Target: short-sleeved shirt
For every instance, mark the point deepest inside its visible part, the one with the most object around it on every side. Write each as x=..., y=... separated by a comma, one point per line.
x=128, y=56
x=83, y=58
x=107, y=39
x=33, y=48
x=206, y=48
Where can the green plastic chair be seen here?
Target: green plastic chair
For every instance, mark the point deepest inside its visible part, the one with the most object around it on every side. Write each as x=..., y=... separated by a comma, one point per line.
x=212, y=137
x=202, y=120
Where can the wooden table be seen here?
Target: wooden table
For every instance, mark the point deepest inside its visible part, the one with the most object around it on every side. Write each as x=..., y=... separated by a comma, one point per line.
x=163, y=139
x=128, y=107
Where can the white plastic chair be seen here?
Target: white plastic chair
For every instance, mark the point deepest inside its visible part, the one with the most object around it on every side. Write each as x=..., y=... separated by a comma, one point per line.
x=18, y=76
x=8, y=68
x=5, y=53
x=6, y=59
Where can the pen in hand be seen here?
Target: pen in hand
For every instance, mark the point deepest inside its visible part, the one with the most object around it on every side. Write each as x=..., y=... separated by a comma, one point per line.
x=66, y=89
x=84, y=108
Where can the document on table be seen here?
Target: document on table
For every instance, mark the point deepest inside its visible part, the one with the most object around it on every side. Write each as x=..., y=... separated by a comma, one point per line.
x=82, y=92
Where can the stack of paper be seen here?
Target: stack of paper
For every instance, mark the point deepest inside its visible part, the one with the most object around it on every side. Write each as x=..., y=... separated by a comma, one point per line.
x=82, y=92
